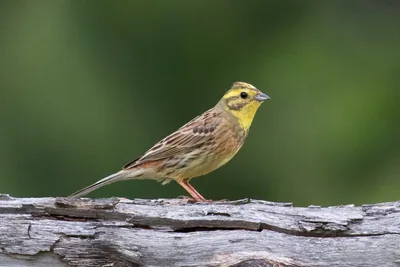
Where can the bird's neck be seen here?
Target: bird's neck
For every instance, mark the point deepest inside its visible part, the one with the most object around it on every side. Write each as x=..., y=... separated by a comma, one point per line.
x=244, y=116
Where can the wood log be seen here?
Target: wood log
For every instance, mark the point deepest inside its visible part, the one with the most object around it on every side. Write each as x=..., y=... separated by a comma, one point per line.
x=175, y=232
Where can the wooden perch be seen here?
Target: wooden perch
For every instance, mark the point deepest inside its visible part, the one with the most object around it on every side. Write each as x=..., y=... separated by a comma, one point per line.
x=172, y=232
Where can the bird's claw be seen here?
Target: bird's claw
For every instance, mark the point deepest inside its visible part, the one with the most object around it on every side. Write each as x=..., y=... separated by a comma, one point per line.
x=193, y=200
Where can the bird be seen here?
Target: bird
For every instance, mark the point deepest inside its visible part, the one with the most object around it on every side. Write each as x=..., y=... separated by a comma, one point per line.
x=199, y=147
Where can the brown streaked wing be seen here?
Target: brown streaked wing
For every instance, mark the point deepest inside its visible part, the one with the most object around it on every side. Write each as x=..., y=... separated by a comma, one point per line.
x=193, y=134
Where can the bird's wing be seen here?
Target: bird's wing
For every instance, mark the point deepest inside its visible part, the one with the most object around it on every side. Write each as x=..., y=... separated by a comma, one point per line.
x=191, y=135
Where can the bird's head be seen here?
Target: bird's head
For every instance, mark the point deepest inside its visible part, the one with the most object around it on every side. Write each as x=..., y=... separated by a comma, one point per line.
x=242, y=101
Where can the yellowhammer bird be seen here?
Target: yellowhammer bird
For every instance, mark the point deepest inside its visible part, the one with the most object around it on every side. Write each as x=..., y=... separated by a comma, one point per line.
x=200, y=146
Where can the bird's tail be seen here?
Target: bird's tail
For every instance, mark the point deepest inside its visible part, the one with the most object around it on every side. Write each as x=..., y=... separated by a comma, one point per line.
x=118, y=176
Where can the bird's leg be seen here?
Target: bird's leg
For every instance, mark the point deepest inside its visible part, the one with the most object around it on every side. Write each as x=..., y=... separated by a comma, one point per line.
x=196, y=195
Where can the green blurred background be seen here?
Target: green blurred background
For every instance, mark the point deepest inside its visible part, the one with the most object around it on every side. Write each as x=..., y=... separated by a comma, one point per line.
x=86, y=86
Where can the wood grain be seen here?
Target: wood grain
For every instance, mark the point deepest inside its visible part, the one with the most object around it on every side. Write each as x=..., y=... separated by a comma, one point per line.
x=173, y=232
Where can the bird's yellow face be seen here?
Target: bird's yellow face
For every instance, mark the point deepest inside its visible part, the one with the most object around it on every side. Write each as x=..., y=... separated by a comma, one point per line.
x=242, y=101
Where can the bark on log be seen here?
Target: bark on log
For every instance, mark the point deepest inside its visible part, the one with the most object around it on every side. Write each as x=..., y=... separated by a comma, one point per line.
x=173, y=232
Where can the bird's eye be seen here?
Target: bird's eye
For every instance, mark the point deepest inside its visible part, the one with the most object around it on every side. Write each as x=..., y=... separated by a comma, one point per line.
x=243, y=95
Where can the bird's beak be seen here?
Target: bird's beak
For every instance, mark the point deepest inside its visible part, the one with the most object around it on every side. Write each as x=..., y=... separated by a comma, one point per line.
x=261, y=97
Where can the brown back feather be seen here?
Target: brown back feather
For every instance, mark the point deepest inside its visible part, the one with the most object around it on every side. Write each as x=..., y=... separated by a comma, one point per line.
x=193, y=134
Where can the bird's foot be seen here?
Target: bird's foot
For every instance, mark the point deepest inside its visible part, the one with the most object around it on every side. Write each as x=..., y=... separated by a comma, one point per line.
x=193, y=200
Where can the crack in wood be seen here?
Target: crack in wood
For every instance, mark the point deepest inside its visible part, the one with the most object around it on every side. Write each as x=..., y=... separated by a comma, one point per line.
x=216, y=213
x=29, y=230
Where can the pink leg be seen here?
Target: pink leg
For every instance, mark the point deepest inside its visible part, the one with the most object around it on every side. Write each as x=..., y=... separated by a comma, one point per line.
x=196, y=195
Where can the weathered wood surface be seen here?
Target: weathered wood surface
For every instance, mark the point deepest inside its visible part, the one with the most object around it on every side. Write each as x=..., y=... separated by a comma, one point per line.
x=172, y=232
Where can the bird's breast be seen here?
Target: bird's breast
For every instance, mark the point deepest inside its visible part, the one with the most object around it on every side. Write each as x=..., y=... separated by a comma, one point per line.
x=214, y=154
